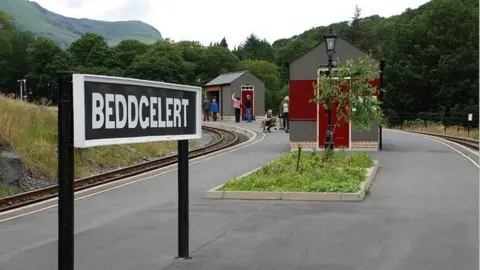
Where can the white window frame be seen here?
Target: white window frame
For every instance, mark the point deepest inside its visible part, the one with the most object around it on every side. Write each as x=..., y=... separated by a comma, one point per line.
x=242, y=88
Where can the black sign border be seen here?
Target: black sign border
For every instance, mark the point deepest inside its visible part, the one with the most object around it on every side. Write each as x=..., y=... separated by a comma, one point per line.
x=78, y=81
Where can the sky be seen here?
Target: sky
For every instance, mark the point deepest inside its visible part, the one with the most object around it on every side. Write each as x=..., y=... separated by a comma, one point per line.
x=210, y=20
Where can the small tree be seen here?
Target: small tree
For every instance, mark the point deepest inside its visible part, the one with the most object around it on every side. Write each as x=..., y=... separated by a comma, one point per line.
x=348, y=87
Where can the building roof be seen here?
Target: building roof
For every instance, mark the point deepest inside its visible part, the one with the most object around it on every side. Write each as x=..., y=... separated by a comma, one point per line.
x=226, y=78
x=323, y=44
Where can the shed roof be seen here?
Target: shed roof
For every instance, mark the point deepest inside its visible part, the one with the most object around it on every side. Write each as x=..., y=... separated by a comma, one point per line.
x=322, y=43
x=226, y=78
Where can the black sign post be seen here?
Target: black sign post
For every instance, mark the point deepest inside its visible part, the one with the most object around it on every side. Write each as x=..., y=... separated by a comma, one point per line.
x=183, y=225
x=113, y=110
x=65, y=172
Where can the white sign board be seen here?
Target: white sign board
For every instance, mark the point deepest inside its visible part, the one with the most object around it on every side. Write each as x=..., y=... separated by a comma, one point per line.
x=114, y=110
x=470, y=117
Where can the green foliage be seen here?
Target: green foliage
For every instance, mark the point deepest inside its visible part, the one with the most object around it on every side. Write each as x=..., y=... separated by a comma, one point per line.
x=162, y=62
x=217, y=60
x=128, y=50
x=224, y=43
x=9, y=191
x=45, y=59
x=6, y=28
x=431, y=55
x=255, y=49
x=347, y=86
x=30, y=16
x=91, y=50
x=342, y=173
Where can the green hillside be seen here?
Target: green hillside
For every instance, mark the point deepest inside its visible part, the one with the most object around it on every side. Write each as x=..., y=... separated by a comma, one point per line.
x=32, y=17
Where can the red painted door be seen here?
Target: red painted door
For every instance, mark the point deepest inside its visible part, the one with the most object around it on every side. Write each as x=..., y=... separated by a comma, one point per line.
x=246, y=93
x=341, y=136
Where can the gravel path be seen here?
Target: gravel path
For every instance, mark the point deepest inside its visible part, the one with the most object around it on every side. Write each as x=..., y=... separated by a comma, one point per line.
x=207, y=137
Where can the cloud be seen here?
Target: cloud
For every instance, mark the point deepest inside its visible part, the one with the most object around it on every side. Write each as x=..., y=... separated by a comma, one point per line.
x=73, y=3
x=129, y=10
x=211, y=20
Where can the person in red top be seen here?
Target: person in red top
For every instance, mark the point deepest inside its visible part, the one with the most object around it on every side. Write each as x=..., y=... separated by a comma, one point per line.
x=237, y=104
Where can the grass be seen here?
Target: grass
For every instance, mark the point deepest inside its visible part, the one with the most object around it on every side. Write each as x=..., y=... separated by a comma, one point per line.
x=4, y=192
x=457, y=131
x=32, y=131
x=341, y=173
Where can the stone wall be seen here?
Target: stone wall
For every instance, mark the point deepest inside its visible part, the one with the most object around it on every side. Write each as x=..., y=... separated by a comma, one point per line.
x=303, y=144
x=365, y=144
x=356, y=145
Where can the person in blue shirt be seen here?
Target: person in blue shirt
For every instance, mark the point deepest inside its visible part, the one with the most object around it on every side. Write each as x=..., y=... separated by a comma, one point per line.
x=214, y=109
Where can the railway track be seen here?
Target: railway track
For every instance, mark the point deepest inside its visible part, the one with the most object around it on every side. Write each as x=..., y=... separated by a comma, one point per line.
x=471, y=143
x=223, y=140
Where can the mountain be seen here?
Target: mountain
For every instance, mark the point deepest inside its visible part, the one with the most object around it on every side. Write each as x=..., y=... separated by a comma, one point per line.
x=30, y=16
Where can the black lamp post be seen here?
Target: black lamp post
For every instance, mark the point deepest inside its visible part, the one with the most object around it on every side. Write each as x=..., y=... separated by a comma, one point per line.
x=330, y=42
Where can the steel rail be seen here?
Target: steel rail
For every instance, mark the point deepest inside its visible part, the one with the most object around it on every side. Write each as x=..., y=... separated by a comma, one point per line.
x=471, y=143
x=226, y=139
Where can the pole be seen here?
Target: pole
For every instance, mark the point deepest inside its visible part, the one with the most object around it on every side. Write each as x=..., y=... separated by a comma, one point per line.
x=65, y=173
x=25, y=89
x=21, y=92
x=329, y=133
x=298, y=157
x=183, y=226
x=382, y=67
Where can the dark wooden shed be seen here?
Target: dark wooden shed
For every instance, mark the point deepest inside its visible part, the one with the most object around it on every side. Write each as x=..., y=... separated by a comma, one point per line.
x=240, y=83
x=308, y=120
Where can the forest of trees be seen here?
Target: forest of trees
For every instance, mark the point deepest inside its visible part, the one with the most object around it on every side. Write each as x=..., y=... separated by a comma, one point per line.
x=431, y=55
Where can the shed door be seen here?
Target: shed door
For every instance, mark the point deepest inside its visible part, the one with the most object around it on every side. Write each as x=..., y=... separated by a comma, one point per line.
x=341, y=136
x=247, y=90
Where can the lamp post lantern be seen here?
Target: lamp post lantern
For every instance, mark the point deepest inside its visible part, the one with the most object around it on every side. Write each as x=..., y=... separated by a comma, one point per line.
x=330, y=42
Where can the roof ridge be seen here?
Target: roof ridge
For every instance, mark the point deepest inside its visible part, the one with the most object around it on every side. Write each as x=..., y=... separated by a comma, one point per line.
x=226, y=78
x=231, y=72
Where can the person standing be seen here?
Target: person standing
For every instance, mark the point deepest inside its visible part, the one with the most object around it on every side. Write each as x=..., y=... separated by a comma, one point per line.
x=248, y=108
x=280, y=115
x=206, y=109
x=237, y=104
x=286, y=114
x=214, y=110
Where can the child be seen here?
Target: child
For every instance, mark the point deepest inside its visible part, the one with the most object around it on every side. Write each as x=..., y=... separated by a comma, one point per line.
x=214, y=110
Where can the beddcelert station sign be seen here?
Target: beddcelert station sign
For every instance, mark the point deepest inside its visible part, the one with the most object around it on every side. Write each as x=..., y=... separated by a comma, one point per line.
x=114, y=110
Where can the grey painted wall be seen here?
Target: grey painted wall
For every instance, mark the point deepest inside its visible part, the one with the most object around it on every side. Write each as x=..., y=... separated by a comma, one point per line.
x=307, y=131
x=259, y=98
x=368, y=135
x=305, y=67
x=303, y=131
x=227, y=103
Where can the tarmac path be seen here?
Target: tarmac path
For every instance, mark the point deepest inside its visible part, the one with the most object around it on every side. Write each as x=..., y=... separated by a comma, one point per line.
x=422, y=214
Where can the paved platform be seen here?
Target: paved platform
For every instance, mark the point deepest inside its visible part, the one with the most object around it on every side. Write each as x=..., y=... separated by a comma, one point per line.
x=422, y=214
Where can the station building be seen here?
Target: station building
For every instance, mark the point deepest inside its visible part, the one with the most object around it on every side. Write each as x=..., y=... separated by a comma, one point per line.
x=240, y=83
x=308, y=120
